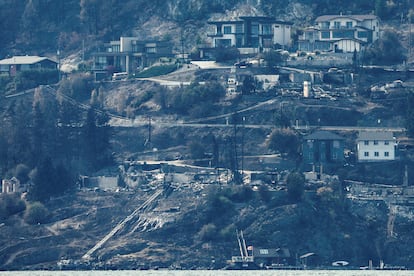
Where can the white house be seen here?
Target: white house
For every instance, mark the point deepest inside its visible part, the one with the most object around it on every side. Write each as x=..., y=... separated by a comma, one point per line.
x=375, y=146
x=344, y=33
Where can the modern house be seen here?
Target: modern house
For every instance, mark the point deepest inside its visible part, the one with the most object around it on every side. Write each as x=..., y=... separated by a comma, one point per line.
x=323, y=147
x=11, y=66
x=251, y=34
x=375, y=146
x=340, y=33
x=129, y=54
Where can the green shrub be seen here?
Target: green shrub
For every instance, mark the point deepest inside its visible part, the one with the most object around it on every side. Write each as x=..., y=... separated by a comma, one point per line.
x=208, y=232
x=295, y=186
x=10, y=204
x=36, y=213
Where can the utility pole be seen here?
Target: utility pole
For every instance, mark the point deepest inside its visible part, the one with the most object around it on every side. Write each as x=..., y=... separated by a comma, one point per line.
x=148, y=143
x=58, y=56
x=236, y=161
x=182, y=44
x=242, y=149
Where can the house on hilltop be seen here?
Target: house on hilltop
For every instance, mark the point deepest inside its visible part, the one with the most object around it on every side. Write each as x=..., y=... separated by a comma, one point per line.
x=251, y=34
x=340, y=33
x=11, y=66
x=375, y=146
x=323, y=147
x=129, y=54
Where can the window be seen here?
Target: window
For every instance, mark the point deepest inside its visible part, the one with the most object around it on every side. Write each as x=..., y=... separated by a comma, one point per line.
x=386, y=143
x=239, y=28
x=376, y=154
x=325, y=25
x=362, y=34
x=337, y=24
x=325, y=35
x=349, y=24
x=366, y=154
x=366, y=143
x=336, y=144
x=386, y=154
x=115, y=48
x=239, y=40
x=343, y=34
x=375, y=142
x=227, y=29
x=267, y=29
x=334, y=156
x=223, y=42
x=255, y=29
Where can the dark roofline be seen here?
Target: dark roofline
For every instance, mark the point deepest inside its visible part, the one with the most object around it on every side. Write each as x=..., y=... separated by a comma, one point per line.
x=323, y=135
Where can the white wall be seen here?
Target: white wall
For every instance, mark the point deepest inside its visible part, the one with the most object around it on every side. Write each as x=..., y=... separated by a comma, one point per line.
x=281, y=34
x=381, y=148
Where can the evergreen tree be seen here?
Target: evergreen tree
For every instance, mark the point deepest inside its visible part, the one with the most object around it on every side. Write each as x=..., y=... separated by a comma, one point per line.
x=96, y=134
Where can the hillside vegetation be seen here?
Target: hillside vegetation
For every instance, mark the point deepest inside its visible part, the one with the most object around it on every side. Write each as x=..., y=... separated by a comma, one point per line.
x=38, y=27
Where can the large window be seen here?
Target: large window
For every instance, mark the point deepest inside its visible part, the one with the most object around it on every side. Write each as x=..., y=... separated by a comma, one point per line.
x=343, y=34
x=223, y=42
x=325, y=35
x=362, y=34
x=267, y=29
x=239, y=28
x=325, y=25
x=255, y=29
x=115, y=48
x=239, y=41
x=227, y=29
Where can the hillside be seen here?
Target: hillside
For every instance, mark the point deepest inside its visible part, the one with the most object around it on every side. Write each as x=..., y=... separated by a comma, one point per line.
x=71, y=25
x=190, y=164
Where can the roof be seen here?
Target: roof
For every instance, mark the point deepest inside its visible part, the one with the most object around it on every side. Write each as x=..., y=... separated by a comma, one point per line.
x=23, y=60
x=323, y=135
x=375, y=135
x=271, y=252
x=361, y=17
x=242, y=19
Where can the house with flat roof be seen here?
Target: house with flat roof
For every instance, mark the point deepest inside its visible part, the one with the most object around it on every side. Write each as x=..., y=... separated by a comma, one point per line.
x=251, y=34
x=129, y=54
x=340, y=33
x=11, y=66
x=374, y=146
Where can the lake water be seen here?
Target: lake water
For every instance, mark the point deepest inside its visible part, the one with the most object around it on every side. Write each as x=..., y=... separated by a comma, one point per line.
x=213, y=273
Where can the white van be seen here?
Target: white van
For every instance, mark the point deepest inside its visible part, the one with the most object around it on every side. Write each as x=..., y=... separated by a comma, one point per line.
x=120, y=76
